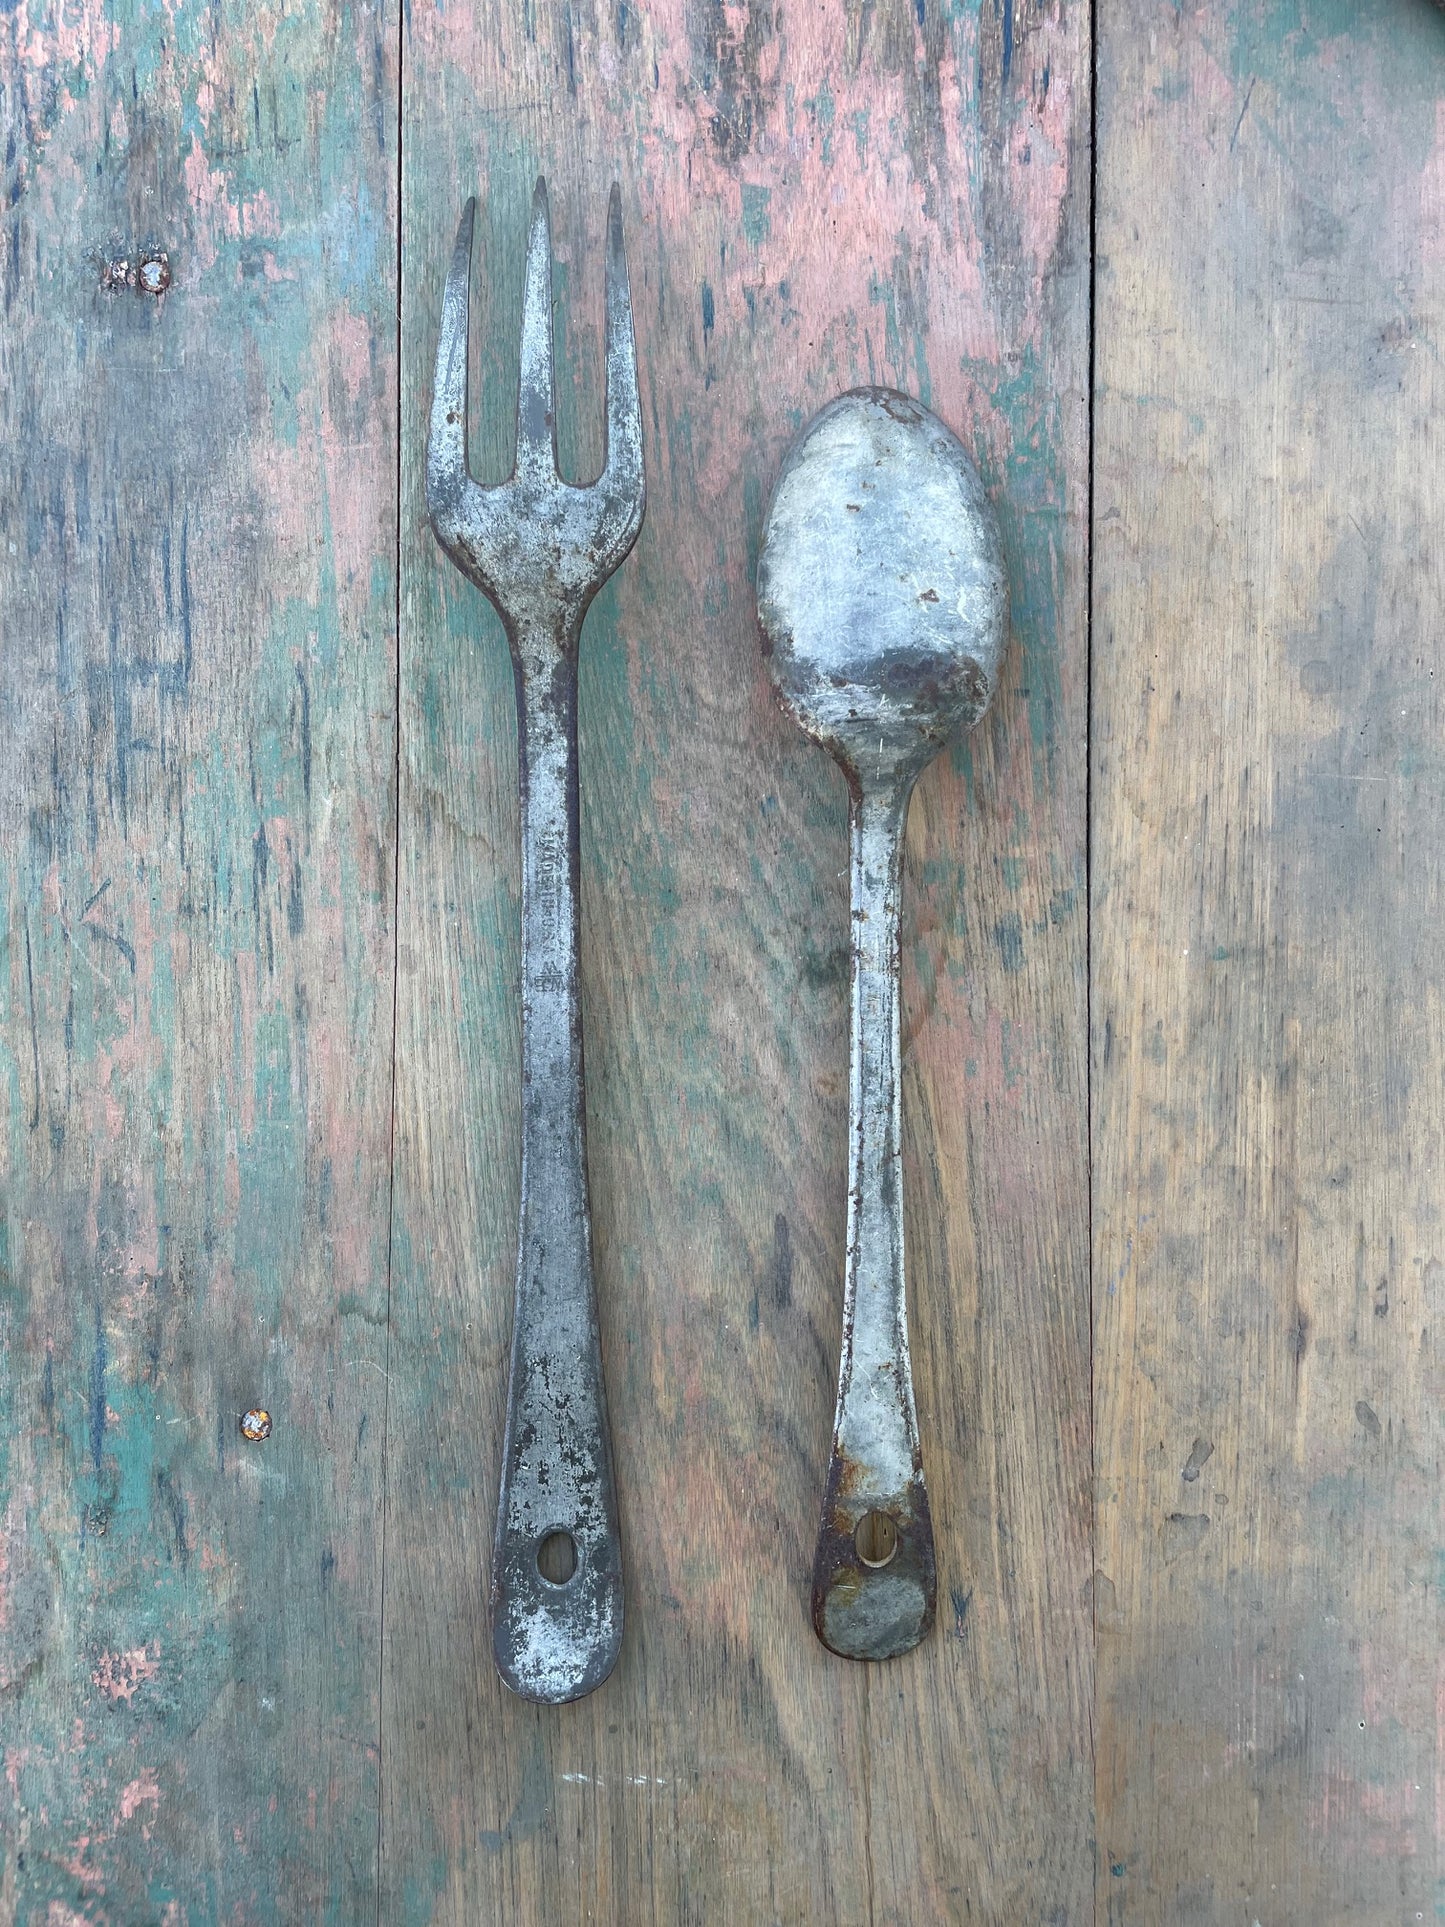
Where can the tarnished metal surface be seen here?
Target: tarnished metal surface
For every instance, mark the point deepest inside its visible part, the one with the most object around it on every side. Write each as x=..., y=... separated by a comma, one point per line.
x=884, y=606
x=540, y=549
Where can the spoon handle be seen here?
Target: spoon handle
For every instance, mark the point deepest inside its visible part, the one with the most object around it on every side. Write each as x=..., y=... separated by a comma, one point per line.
x=873, y=1575
x=556, y=1599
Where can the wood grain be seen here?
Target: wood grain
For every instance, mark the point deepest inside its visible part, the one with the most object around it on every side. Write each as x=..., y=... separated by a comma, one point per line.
x=1268, y=1018
x=197, y=855
x=811, y=201
x=197, y=543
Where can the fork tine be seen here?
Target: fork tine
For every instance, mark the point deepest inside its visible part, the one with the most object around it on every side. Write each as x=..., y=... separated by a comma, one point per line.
x=622, y=472
x=446, y=452
x=536, y=407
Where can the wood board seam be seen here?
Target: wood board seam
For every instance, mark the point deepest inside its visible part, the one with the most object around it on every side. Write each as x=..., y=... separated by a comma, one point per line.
x=1092, y=354
x=400, y=124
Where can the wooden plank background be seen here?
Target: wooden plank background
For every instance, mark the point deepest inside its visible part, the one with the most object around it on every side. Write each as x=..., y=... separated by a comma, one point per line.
x=808, y=206
x=197, y=599
x=1268, y=965
x=258, y=1029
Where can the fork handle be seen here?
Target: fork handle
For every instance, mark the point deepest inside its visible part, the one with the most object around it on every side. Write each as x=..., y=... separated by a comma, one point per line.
x=554, y=1636
x=873, y=1572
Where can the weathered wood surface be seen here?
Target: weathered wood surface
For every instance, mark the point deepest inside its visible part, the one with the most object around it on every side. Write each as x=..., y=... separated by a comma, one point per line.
x=202, y=1716
x=197, y=602
x=812, y=200
x=1268, y=963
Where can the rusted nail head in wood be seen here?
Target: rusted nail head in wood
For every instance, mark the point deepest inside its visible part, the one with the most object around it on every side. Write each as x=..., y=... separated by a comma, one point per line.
x=256, y=1425
x=150, y=274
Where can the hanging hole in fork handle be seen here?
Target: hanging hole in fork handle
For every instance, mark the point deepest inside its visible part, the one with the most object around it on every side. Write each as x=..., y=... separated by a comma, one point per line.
x=557, y=1557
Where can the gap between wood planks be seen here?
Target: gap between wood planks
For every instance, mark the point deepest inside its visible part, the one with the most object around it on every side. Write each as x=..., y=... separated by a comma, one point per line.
x=395, y=982
x=1090, y=362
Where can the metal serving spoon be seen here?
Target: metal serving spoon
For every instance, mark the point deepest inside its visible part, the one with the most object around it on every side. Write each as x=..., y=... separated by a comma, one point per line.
x=884, y=604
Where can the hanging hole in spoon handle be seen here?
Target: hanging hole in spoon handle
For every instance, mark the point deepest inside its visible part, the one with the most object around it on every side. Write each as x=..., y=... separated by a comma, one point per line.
x=875, y=1582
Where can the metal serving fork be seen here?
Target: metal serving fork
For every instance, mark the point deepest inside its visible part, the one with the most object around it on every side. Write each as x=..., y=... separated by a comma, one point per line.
x=540, y=549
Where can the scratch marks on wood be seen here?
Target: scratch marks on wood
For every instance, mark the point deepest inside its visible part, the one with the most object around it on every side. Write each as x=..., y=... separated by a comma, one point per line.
x=1243, y=110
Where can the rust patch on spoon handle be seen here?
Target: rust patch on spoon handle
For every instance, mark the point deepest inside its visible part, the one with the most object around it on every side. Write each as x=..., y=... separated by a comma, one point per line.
x=872, y=1607
x=873, y=1613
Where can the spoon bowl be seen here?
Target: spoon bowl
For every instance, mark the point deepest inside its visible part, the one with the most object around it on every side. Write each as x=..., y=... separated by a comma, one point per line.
x=881, y=586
